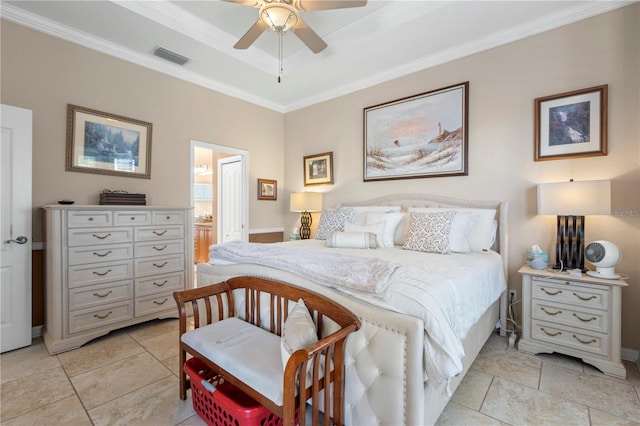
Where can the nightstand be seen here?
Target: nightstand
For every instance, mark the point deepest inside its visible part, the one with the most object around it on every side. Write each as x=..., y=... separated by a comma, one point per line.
x=576, y=316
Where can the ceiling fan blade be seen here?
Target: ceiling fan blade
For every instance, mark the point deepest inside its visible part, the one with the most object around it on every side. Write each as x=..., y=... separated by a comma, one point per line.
x=252, y=35
x=251, y=3
x=310, y=5
x=309, y=37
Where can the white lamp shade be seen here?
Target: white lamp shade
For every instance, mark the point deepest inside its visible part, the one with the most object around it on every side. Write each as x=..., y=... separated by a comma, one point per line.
x=306, y=202
x=591, y=197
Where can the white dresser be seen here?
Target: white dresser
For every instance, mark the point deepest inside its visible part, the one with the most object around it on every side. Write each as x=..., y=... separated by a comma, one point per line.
x=576, y=316
x=109, y=267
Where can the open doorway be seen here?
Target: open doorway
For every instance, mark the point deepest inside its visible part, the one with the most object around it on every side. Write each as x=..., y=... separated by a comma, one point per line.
x=210, y=195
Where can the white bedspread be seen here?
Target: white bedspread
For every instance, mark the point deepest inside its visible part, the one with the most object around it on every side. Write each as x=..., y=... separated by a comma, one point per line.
x=449, y=292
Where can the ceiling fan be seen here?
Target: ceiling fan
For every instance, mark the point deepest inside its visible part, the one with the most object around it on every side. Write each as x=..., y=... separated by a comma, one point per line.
x=281, y=16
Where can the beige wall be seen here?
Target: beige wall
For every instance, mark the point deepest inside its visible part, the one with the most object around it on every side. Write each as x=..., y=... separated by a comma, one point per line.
x=503, y=85
x=44, y=74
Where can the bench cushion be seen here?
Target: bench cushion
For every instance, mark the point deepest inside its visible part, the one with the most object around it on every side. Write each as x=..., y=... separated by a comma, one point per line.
x=249, y=353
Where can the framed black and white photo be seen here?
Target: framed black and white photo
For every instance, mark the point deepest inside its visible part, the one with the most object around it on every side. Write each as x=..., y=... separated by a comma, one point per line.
x=267, y=189
x=421, y=136
x=318, y=169
x=109, y=144
x=571, y=124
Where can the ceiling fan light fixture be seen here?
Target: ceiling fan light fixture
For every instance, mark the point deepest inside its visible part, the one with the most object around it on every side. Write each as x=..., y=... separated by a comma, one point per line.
x=279, y=17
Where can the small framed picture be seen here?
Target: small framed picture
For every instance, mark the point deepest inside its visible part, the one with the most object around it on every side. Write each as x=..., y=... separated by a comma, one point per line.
x=318, y=169
x=571, y=124
x=267, y=189
x=108, y=144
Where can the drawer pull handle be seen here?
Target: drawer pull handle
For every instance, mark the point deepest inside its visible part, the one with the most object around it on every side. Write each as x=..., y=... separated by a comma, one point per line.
x=160, y=233
x=551, y=334
x=103, y=295
x=165, y=301
x=550, y=293
x=103, y=254
x=593, y=296
x=102, y=238
x=103, y=274
x=583, y=319
x=90, y=219
x=160, y=248
x=161, y=284
x=102, y=316
x=160, y=266
x=168, y=217
x=584, y=342
x=550, y=313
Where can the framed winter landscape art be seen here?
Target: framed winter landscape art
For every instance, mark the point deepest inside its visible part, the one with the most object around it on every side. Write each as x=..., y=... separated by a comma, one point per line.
x=571, y=124
x=108, y=144
x=421, y=136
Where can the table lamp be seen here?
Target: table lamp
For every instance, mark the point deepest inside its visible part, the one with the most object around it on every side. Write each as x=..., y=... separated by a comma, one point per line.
x=571, y=202
x=305, y=203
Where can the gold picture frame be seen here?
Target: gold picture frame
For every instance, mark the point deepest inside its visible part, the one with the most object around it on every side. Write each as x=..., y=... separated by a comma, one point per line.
x=318, y=169
x=267, y=189
x=108, y=144
x=571, y=124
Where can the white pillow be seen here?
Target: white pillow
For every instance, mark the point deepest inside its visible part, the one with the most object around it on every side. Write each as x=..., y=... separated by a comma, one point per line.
x=429, y=232
x=482, y=226
x=298, y=331
x=361, y=240
x=376, y=228
x=360, y=212
x=332, y=220
x=391, y=221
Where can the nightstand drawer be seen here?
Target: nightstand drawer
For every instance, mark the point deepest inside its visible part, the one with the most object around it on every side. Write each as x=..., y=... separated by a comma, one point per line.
x=588, y=319
x=570, y=292
x=581, y=340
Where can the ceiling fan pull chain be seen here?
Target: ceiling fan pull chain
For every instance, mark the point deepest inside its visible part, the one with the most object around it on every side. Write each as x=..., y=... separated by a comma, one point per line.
x=279, y=56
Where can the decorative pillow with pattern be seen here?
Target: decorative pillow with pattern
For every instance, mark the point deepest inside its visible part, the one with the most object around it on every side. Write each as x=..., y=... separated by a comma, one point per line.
x=332, y=220
x=429, y=232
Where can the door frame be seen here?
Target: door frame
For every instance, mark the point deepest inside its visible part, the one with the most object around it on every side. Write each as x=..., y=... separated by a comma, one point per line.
x=244, y=155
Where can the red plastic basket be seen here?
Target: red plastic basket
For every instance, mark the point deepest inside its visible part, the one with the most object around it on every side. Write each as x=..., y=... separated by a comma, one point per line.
x=224, y=405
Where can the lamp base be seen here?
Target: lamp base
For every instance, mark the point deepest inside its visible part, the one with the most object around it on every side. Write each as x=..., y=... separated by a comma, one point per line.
x=305, y=228
x=570, y=243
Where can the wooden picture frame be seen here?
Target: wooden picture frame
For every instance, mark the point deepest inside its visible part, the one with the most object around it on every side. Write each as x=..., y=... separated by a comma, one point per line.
x=267, y=189
x=420, y=136
x=108, y=144
x=318, y=169
x=571, y=124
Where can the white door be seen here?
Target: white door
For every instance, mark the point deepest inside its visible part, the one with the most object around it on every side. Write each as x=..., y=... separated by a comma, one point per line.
x=230, y=199
x=15, y=228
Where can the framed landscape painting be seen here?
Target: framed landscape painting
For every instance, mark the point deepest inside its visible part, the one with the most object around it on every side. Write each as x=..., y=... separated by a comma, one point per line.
x=109, y=144
x=421, y=136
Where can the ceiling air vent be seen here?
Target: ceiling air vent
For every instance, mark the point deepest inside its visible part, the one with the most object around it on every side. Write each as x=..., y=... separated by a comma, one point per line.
x=170, y=56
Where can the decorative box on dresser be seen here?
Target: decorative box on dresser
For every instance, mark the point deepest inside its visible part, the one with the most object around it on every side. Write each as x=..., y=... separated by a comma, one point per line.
x=578, y=316
x=109, y=267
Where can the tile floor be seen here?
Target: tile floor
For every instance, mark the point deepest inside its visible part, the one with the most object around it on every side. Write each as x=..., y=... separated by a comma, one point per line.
x=129, y=377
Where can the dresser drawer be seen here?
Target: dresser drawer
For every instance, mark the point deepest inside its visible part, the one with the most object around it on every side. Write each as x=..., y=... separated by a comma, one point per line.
x=154, y=304
x=106, y=315
x=107, y=253
x=159, y=283
x=581, y=340
x=97, y=273
x=570, y=292
x=588, y=319
x=156, y=248
x=100, y=295
x=86, y=237
x=158, y=233
x=89, y=218
x=167, y=217
x=159, y=265
x=132, y=218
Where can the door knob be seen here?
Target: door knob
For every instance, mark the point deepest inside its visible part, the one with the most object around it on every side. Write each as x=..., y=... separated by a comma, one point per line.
x=20, y=240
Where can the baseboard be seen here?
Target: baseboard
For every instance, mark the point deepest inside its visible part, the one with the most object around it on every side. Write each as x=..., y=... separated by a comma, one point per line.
x=36, y=331
x=631, y=355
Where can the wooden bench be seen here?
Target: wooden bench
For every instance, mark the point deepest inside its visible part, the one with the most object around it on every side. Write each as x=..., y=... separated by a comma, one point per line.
x=231, y=317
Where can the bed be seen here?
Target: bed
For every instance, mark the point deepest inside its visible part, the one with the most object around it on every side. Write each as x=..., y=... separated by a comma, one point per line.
x=426, y=310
